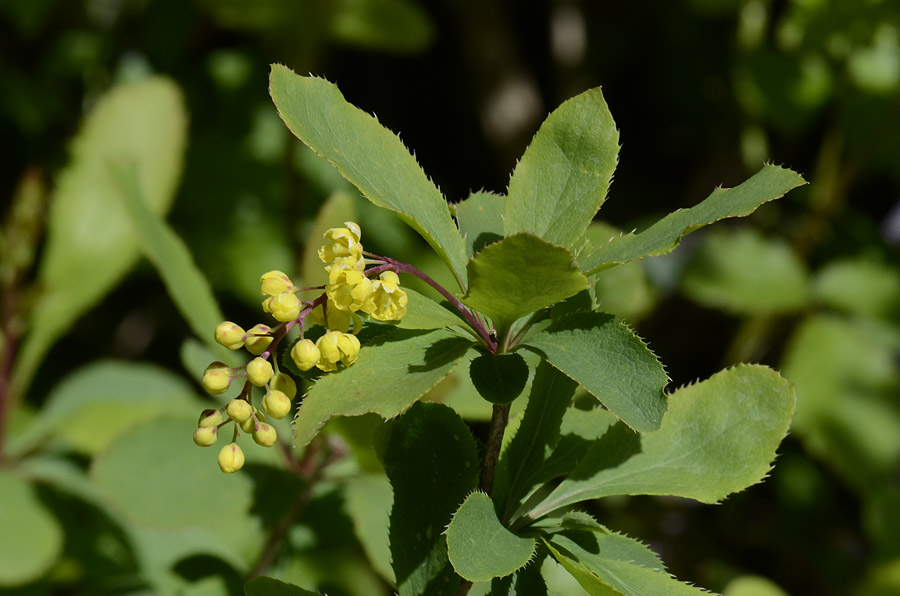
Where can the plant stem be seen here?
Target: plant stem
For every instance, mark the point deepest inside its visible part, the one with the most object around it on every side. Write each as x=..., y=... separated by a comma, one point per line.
x=492, y=451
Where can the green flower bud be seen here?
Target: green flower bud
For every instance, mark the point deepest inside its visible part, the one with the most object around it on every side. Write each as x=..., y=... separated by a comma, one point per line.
x=206, y=436
x=239, y=410
x=230, y=335
x=305, y=354
x=210, y=418
x=257, y=342
x=283, y=382
x=250, y=423
x=231, y=458
x=260, y=371
x=264, y=435
x=217, y=378
x=276, y=404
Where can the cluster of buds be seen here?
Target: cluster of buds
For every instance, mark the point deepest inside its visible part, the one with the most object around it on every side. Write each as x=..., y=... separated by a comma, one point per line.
x=350, y=290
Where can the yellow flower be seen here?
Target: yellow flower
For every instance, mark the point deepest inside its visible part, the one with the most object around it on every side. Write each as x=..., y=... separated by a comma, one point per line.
x=276, y=404
x=229, y=335
x=348, y=289
x=217, y=378
x=305, y=354
x=257, y=342
x=341, y=245
x=231, y=458
x=284, y=306
x=275, y=282
x=336, y=347
x=259, y=371
x=388, y=301
x=338, y=320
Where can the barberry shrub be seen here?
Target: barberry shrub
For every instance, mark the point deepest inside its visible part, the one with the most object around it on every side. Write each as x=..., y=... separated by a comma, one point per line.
x=525, y=317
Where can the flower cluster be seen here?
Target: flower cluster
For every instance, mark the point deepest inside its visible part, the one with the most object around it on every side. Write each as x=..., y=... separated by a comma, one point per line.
x=350, y=290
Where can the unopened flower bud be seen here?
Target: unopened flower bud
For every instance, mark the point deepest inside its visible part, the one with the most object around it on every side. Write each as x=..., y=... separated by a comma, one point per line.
x=283, y=382
x=259, y=371
x=275, y=282
x=217, y=378
x=210, y=418
x=257, y=341
x=264, y=435
x=230, y=335
x=276, y=404
x=250, y=423
x=206, y=436
x=305, y=354
x=231, y=458
x=284, y=306
x=239, y=410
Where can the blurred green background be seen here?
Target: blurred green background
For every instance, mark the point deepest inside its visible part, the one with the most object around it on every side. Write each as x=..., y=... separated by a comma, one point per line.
x=102, y=490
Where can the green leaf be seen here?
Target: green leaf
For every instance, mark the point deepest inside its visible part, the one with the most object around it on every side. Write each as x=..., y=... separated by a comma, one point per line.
x=393, y=371
x=607, y=571
x=847, y=380
x=624, y=290
x=611, y=362
x=369, y=498
x=527, y=581
x=369, y=156
x=97, y=403
x=391, y=25
x=480, y=220
x=90, y=244
x=860, y=286
x=718, y=437
x=519, y=275
x=742, y=272
x=536, y=437
x=424, y=313
x=499, y=378
x=267, y=586
x=32, y=539
x=432, y=462
x=770, y=183
x=562, y=179
x=752, y=585
x=479, y=546
x=186, y=284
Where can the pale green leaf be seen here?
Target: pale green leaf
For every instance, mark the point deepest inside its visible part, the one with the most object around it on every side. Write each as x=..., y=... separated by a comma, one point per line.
x=393, y=371
x=90, y=244
x=519, y=275
x=97, y=403
x=369, y=499
x=267, y=586
x=770, y=183
x=562, y=179
x=432, y=462
x=744, y=273
x=479, y=546
x=610, y=361
x=860, y=286
x=424, y=313
x=752, y=585
x=624, y=290
x=31, y=539
x=370, y=156
x=536, y=438
x=480, y=220
x=719, y=436
x=186, y=284
x=848, y=380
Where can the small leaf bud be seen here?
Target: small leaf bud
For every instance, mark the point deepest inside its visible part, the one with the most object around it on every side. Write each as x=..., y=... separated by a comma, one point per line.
x=305, y=354
x=283, y=382
x=259, y=371
x=276, y=404
x=264, y=435
x=206, y=436
x=257, y=342
x=210, y=418
x=239, y=410
x=217, y=378
x=230, y=335
x=231, y=458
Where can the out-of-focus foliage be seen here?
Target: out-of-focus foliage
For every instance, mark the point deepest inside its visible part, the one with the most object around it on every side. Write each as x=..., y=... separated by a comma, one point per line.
x=101, y=488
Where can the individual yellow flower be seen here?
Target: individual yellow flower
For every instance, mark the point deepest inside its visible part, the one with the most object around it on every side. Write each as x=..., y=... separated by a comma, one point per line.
x=257, y=341
x=338, y=320
x=231, y=458
x=388, y=301
x=229, y=335
x=336, y=347
x=205, y=436
x=239, y=410
x=284, y=306
x=276, y=404
x=348, y=289
x=264, y=435
x=255, y=418
x=341, y=245
x=275, y=282
x=217, y=378
x=259, y=371
x=305, y=354
x=349, y=346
